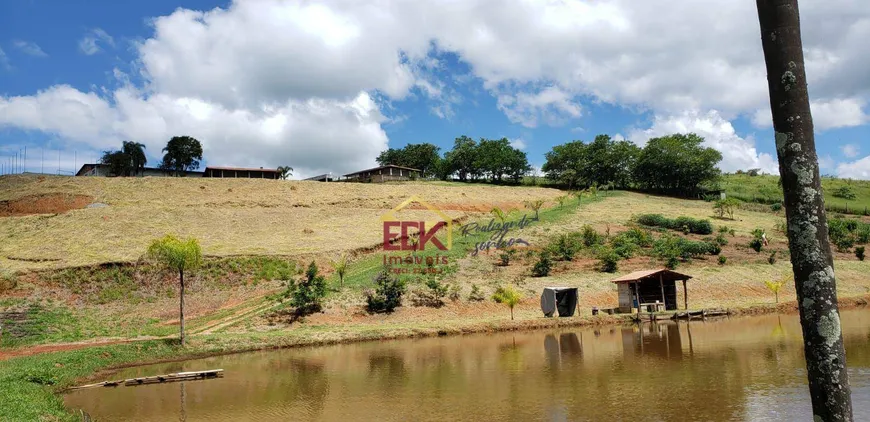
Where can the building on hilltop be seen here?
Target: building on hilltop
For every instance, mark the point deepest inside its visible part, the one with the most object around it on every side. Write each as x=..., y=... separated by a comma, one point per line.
x=322, y=178
x=383, y=174
x=241, y=172
x=103, y=170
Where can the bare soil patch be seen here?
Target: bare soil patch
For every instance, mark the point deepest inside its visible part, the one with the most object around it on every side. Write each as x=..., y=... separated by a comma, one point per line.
x=47, y=203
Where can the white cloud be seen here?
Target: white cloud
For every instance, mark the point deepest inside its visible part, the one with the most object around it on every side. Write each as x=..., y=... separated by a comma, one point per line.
x=30, y=48
x=737, y=153
x=551, y=105
x=90, y=43
x=850, y=150
x=272, y=82
x=859, y=169
x=313, y=136
x=827, y=114
x=518, y=143
x=826, y=162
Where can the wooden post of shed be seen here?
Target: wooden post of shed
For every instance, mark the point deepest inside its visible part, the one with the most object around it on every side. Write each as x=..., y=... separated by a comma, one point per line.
x=637, y=296
x=685, y=296
x=662, y=285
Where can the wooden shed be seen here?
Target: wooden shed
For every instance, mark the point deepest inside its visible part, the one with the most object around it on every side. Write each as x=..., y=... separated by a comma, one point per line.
x=641, y=288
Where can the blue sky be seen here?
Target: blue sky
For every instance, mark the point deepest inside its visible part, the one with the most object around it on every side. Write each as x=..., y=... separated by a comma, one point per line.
x=324, y=86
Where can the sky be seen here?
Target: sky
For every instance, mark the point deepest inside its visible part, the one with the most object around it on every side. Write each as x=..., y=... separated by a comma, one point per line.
x=324, y=86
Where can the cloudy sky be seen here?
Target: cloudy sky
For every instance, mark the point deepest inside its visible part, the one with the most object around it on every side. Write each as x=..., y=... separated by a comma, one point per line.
x=326, y=85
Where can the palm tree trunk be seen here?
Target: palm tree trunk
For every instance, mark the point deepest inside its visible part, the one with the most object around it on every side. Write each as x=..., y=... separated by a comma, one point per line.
x=512, y=313
x=181, y=304
x=809, y=245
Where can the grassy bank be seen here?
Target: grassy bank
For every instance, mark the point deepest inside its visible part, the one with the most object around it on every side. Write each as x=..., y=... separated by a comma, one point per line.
x=765, y=189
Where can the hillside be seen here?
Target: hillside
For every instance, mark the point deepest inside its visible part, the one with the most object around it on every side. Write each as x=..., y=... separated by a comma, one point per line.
x=228, y=216
x=280, y=226
x=765, y=189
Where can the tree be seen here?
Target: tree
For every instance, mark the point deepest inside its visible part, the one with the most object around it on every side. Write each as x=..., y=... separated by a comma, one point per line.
x=340, y=268
x=117, y=161
x=182, y=154
x=509, y=296
x=565, y=163
x=424, y=157
x=676, y=164
x=774, y=286
x=308, y=293
x=135, y=151
x=177, y=255
x=284, y=172
x=387, y=294
x=462, y=158
x=534, y=205
x=809, y=245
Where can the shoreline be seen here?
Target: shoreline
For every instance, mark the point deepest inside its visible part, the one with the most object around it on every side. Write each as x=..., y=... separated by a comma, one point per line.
x=34, y=385
x=602, y=320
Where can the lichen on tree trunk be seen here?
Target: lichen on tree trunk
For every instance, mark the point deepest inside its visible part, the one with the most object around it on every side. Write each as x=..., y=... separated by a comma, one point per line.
x=805, y=210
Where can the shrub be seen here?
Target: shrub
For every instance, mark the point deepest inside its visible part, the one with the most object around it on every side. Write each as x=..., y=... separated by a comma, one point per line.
x=590, y=236
x=720, y=239
x=723, y=229
x=387, y=294
x=713, y=248
x=308, y=293
x=432, y=295
x=640, y=237
x=725, y=206
x=757, y=243
x=455, y=292
x=845, y=243
x=672, y=263
x=685, y=224
x=722, y=259
x=772, y=258
x=674, y=248
x=476, y=294
x=543, y=266
x=777, y=207
x=565, y=246
x=608, y=259
x=844, y=192
x=859, y=253
x=505, y=256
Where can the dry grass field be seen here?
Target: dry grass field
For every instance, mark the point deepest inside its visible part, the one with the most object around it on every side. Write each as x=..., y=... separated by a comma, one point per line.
x=228, y=216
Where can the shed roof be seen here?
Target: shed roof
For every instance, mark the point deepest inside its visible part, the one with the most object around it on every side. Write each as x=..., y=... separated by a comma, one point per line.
x=639, y=275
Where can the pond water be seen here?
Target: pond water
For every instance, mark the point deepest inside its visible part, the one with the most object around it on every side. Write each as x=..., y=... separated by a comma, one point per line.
x=748, y=368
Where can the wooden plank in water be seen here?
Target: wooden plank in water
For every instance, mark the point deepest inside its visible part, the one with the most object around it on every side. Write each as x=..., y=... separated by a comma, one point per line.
x=156, y=379
x=179, y=376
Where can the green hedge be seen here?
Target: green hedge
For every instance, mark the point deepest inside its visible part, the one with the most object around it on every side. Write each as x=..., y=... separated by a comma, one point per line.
x=682, y=223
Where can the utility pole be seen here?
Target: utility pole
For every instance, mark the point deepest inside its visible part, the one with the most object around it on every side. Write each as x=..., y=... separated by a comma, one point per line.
x=809, y=245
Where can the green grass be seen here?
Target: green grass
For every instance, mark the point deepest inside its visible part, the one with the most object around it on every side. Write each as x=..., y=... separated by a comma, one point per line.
x=361, y=272
x=765, y=189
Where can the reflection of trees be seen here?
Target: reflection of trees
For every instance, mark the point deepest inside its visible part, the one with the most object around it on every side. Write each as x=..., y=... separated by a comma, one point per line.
x=309, y=385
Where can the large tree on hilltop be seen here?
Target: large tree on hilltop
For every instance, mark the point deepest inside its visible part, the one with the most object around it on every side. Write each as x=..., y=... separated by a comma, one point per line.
x=676, y=164
x=424, y=157
x=809, y=245
x=182, y=154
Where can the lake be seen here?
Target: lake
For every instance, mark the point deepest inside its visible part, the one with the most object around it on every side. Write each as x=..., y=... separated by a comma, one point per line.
x=746, y=368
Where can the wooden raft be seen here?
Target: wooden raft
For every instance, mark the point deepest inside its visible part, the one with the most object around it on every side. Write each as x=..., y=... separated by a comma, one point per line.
x=158, y=379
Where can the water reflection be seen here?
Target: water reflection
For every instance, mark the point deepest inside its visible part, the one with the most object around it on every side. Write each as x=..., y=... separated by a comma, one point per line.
x=738, y=369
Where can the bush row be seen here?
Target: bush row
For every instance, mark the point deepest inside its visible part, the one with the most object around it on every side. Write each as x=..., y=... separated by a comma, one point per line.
x=682, y=223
